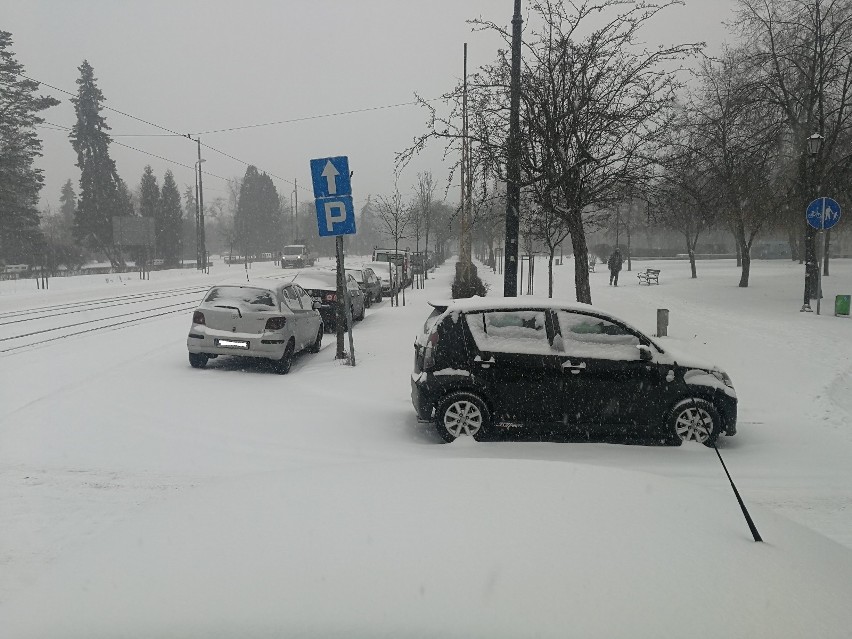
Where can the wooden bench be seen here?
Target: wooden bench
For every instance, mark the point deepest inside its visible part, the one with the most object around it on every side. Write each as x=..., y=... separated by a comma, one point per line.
x=592, y=262
x=649, y=275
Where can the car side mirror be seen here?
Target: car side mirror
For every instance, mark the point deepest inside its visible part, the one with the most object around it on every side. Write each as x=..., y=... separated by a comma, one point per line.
x=645, y=353
x=316, y=305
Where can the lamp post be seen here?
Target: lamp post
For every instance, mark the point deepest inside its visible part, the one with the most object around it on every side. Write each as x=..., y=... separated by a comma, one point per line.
x=811, y=265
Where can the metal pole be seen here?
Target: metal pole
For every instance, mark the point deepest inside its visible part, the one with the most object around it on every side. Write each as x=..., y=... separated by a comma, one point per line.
x=197, y=221
x=821, y=244
x=339, y=315
x=202, y=248
x=513, y=166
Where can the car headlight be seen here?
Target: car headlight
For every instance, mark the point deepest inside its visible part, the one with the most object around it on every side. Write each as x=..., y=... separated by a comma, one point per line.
x=723, y=377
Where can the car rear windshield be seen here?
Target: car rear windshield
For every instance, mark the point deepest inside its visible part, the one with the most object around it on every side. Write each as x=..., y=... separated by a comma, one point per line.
x=323, y=278
x=256, y=296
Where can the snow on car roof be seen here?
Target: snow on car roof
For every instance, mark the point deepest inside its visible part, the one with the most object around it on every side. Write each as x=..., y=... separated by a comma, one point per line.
x=495, y=303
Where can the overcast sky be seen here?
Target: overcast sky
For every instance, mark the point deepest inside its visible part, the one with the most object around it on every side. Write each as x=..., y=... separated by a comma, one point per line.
x=195, y=66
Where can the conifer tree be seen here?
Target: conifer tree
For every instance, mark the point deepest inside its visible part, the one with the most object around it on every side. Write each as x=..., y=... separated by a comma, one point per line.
x=67, y=203
x=149, y=203
x=20, y=181
x=98, y=201
x=170, y=219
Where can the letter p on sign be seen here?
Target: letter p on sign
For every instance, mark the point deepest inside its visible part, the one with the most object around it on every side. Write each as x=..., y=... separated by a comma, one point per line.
x=335, y=216
x=335, y=213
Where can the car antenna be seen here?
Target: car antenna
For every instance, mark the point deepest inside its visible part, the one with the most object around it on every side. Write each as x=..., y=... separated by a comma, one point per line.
x=754, y=533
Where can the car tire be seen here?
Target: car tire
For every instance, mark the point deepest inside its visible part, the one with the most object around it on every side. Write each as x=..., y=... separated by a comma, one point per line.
x=379, y=297
x=462, y=413
x=282, y=366
x=695, y=420
x=317, y=345
x=368, y=301
x=198, y=360
x=363, y=312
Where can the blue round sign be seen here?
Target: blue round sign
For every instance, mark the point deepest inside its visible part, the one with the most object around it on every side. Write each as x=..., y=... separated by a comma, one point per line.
x=823, y=213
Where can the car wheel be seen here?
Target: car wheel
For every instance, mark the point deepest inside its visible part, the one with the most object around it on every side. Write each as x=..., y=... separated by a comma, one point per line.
x=694, y=420
x=282, y=366
x=460, y=414
x=379, y=296
x=198, y=360
x=363, y=312
x=315, y=347
x=368, y=301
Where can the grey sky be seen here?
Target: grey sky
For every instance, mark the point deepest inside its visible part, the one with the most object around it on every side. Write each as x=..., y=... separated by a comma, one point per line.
x=194, y=66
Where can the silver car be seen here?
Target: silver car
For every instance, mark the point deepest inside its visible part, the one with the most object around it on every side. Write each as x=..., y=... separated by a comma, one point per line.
x=269, y=322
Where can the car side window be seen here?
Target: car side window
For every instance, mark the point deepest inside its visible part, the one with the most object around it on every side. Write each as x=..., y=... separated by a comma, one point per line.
x=307, y=302
x=293, y=298
x=282, y=295
x=511, y=332
x=589, y=336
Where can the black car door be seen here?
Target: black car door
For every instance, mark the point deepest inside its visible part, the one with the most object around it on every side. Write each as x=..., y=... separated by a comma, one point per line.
x=606, y=386
x=518, y=364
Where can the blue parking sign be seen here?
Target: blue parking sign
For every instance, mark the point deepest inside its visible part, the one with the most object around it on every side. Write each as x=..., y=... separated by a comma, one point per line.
x=335, y=216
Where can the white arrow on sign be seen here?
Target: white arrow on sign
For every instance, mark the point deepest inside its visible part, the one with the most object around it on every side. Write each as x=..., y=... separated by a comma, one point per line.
x=330, y=173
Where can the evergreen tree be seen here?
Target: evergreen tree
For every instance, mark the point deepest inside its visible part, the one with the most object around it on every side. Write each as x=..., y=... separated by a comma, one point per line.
x=149, y=203
x=259, y=220
x=20, y=181
x=68, y=203
x=170, y=218
x=98, y=201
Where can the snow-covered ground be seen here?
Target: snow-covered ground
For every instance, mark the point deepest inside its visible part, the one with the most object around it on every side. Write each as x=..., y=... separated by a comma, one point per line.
x=143, y=497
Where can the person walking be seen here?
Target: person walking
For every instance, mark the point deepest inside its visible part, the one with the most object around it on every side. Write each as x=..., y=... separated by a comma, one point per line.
x=614, y=264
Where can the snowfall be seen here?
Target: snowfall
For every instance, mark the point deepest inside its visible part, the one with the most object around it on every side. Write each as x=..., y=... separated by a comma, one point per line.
x=140, y=497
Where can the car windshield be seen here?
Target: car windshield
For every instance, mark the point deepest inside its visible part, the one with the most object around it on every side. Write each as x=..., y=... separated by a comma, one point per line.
x=357, y=274
x=255, y=296
x=294, y=250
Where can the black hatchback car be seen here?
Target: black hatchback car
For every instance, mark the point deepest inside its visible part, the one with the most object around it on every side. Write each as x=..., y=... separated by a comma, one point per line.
x=481, y=365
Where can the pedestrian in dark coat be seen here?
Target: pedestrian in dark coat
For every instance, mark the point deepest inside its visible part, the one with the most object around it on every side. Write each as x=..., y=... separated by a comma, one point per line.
x=614, y=264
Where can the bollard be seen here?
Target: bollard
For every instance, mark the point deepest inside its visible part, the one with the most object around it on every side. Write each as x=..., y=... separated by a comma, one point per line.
x=662, y=322
x=841, y=305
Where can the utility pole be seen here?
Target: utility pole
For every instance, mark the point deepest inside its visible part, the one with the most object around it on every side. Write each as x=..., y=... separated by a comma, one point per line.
x=203, y=243
x=513, y=165
x=296, y=207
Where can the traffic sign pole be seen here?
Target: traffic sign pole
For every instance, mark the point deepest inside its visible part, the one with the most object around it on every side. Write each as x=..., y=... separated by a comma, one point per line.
x=821, y=262
x=821, y=214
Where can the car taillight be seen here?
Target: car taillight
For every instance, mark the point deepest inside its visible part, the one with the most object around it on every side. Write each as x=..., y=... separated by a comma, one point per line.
x=198, y=318
x=275, y=323
x=331, y=297
x=429, y=351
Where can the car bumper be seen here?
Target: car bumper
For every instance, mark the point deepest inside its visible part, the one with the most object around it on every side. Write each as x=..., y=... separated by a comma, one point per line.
x=206, y=340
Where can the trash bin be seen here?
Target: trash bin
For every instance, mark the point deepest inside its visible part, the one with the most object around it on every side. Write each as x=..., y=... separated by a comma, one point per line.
x=841, y=304
x=662, y=322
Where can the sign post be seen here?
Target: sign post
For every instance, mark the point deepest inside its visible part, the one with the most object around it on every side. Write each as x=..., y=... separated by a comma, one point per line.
x=336, y=217
x=822, y=214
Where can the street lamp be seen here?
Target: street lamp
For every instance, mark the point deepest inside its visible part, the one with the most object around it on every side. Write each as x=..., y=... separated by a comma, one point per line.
x=811, y=266
x=200, y=245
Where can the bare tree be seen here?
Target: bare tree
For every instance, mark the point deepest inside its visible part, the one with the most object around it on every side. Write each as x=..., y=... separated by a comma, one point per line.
x=425, y=198
x=393, y=219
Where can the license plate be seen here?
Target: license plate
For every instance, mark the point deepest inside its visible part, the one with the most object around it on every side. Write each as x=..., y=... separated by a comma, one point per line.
x=226, y=343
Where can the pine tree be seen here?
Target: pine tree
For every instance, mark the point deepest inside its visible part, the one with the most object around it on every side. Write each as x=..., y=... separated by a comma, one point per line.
x=20, y=181
x=259, y=220
x=68, y=203
x=98, y=201
x=149, y=203
x=170, y=217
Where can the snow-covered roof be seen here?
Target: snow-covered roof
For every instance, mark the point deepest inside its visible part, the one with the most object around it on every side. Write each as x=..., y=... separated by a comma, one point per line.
x=495, y=303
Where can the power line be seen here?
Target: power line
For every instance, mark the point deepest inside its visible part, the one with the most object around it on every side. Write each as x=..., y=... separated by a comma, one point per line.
x=314, y=117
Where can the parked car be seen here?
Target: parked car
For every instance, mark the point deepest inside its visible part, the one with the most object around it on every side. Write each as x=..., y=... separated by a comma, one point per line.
x=483, y=364
x=321, y=285
x=269, y=322
x=370, y=284
x=389, y=275
x=400, y=257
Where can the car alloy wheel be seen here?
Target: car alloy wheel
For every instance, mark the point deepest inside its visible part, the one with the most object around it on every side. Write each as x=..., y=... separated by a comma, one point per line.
x=462, y=414
x=282, y=366
x=695, y=420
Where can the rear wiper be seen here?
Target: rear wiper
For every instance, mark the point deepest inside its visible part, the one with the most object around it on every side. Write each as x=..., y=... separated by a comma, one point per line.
x=232, y=308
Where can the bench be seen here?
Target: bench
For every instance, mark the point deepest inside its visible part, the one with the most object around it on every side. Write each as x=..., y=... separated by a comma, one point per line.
x=592, y=262
x=649, y=275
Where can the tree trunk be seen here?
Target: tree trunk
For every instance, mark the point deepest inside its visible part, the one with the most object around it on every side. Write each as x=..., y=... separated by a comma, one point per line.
x=581, y=259
x=629, y=261
x=827, y=246
x=692, y=268
x=739, y=250
x=745, y=256
x=794, y=245
x=550, y=271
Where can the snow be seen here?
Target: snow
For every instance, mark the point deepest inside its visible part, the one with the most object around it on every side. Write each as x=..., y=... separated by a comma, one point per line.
x=143, y=498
